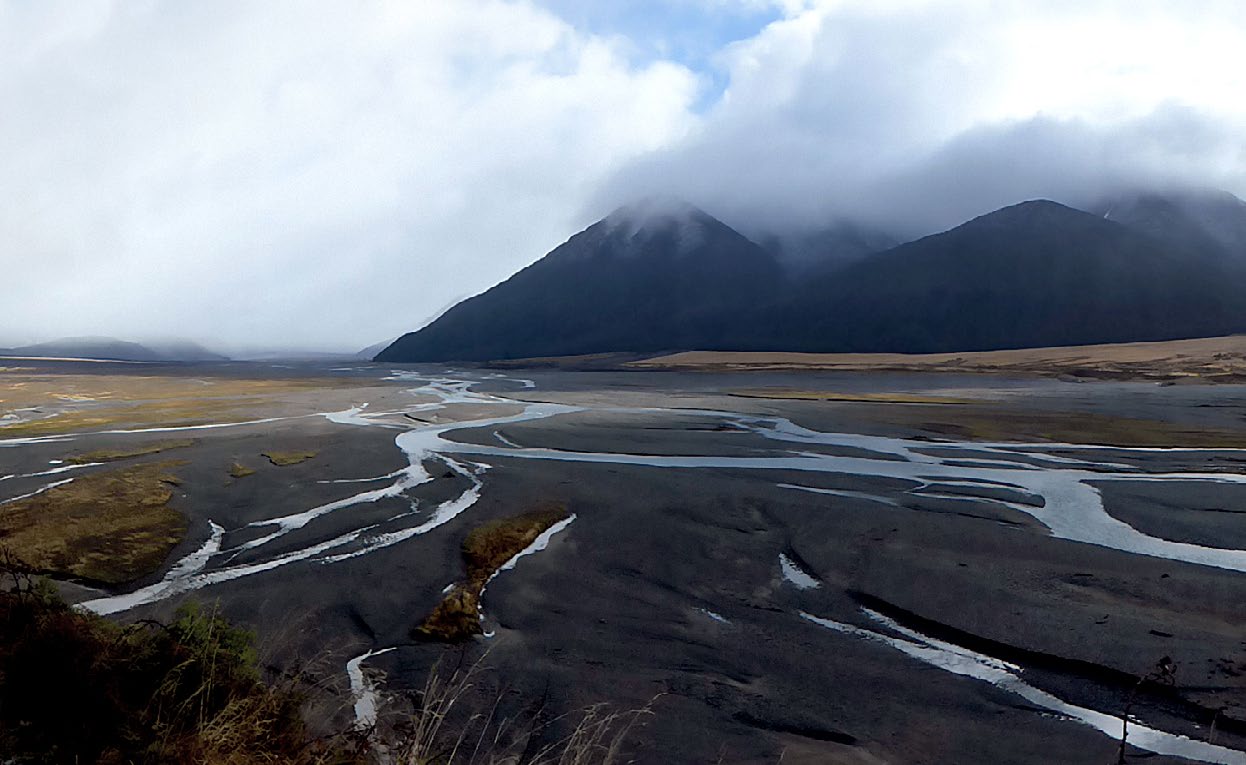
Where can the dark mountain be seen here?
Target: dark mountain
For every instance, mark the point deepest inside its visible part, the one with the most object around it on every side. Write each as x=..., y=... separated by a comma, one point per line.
x=183, y=350
x=112, y=349
x=1034, y=274
x=649, y=277
x=1196, y=220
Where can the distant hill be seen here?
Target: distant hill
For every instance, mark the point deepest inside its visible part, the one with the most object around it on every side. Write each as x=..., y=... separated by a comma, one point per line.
x=649, y=277
x=112, y=349
x=645, y=279
x=367, y=354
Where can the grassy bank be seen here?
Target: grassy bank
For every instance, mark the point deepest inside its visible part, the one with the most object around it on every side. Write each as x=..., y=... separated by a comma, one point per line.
x=108, y=528
x=485, y=550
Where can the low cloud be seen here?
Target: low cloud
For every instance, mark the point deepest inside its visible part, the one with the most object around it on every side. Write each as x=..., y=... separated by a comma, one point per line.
x=298, y=173
x=918, y=115
x=318, y=175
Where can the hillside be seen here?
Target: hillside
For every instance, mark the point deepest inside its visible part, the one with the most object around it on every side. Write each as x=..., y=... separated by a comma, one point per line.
x=644, y=279
x=1031, y=275
x=1036, y=274
x=112, y=349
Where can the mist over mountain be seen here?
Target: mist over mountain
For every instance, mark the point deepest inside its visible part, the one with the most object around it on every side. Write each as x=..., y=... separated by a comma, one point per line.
x=1204, y=220
x=649, y=277
x=829, y=247
x=667, y=276
x=1030, y=275
x=112, y=349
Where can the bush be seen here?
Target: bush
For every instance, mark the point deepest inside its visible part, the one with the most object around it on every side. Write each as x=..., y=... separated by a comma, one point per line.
x=76, y=688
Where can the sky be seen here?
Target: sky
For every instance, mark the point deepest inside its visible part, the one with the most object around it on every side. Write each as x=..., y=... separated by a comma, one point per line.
x=314, y=174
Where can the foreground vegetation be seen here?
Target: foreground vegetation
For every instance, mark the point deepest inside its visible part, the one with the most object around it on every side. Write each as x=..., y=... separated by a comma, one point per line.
x=77, y=688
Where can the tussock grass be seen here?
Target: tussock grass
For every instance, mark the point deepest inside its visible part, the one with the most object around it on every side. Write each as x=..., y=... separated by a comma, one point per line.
x=112, y=455
x=449, y=725
x=77, y=688
x=85, y=402
x=109, y=527
x=485, y=550
x=282, y=459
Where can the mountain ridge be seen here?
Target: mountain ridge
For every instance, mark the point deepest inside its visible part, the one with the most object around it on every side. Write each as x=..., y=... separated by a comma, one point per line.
x=1037, y=273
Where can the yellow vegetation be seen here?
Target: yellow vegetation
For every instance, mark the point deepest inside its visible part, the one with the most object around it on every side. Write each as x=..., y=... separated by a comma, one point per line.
x=485, y=550
x=282, y=459
x=111, y=455
x=84, y=402
x=110, y=527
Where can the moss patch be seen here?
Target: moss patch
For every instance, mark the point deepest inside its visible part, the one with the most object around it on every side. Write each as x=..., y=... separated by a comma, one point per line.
x=485, y=550
x=111, y=455
x=239, y=470
x=282, y=459
x=110, y=527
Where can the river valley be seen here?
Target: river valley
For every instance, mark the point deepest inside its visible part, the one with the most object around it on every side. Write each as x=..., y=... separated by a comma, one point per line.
x=817, y=567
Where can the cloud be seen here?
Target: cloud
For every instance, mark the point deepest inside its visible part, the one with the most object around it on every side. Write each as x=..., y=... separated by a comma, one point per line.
x=293, y=172
x=919, y=114
x=319, y=174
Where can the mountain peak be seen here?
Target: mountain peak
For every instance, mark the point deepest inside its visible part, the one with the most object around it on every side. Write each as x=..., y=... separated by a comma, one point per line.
x=653, y=225
x=656, y=212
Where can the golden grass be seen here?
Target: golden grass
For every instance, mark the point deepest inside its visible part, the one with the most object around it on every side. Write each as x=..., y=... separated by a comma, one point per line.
x=110, y=527
x=84, y=402
x=485, y=550
x=239, y=470
x=282, y=459
x=161, y=413
x=111, y=455
x=1212, y=359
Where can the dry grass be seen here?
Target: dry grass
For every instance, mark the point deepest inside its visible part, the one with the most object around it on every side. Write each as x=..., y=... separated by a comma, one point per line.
x=72, y=402
x=485, y=550
x=156, y=414
x=282, y=459
x=112, y=455
x=1213, y=359
x=81, y=688
x=110, y=527
x=445, y=728
x=239, y=470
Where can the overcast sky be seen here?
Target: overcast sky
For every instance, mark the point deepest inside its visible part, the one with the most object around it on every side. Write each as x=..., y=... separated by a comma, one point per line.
x=329, y=175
